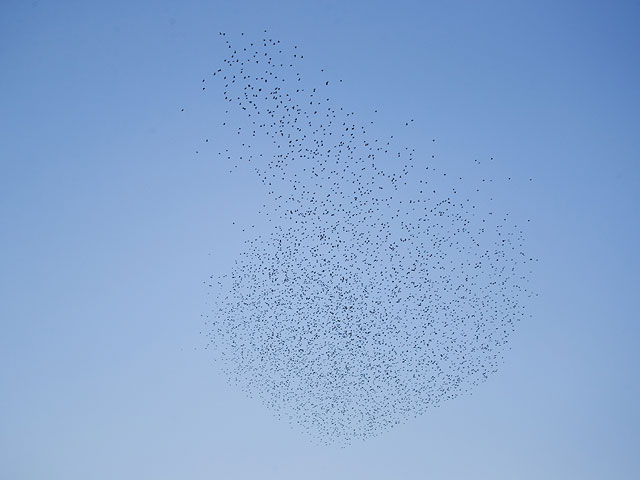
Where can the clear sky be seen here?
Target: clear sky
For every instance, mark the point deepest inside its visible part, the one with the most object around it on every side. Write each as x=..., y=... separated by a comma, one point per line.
x=109, y=224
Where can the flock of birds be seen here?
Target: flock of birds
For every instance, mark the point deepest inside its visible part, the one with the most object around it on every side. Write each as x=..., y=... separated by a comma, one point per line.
x=381, y=286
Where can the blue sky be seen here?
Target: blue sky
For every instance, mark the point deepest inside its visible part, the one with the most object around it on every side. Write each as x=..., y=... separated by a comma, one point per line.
x=110, y=225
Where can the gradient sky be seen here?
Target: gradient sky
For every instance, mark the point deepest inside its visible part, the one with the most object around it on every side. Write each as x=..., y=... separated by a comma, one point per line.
x=110, y=224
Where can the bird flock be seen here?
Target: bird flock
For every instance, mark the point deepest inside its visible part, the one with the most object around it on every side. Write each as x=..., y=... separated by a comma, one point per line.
x=382, y=284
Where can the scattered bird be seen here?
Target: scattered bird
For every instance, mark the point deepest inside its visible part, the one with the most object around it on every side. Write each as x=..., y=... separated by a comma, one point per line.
x=383, y=287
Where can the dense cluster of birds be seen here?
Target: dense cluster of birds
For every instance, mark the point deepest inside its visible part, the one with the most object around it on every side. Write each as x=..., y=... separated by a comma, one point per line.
x=381, y=287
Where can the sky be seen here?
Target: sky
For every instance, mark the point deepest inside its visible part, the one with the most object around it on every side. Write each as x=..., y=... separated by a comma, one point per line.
x=111, y=224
